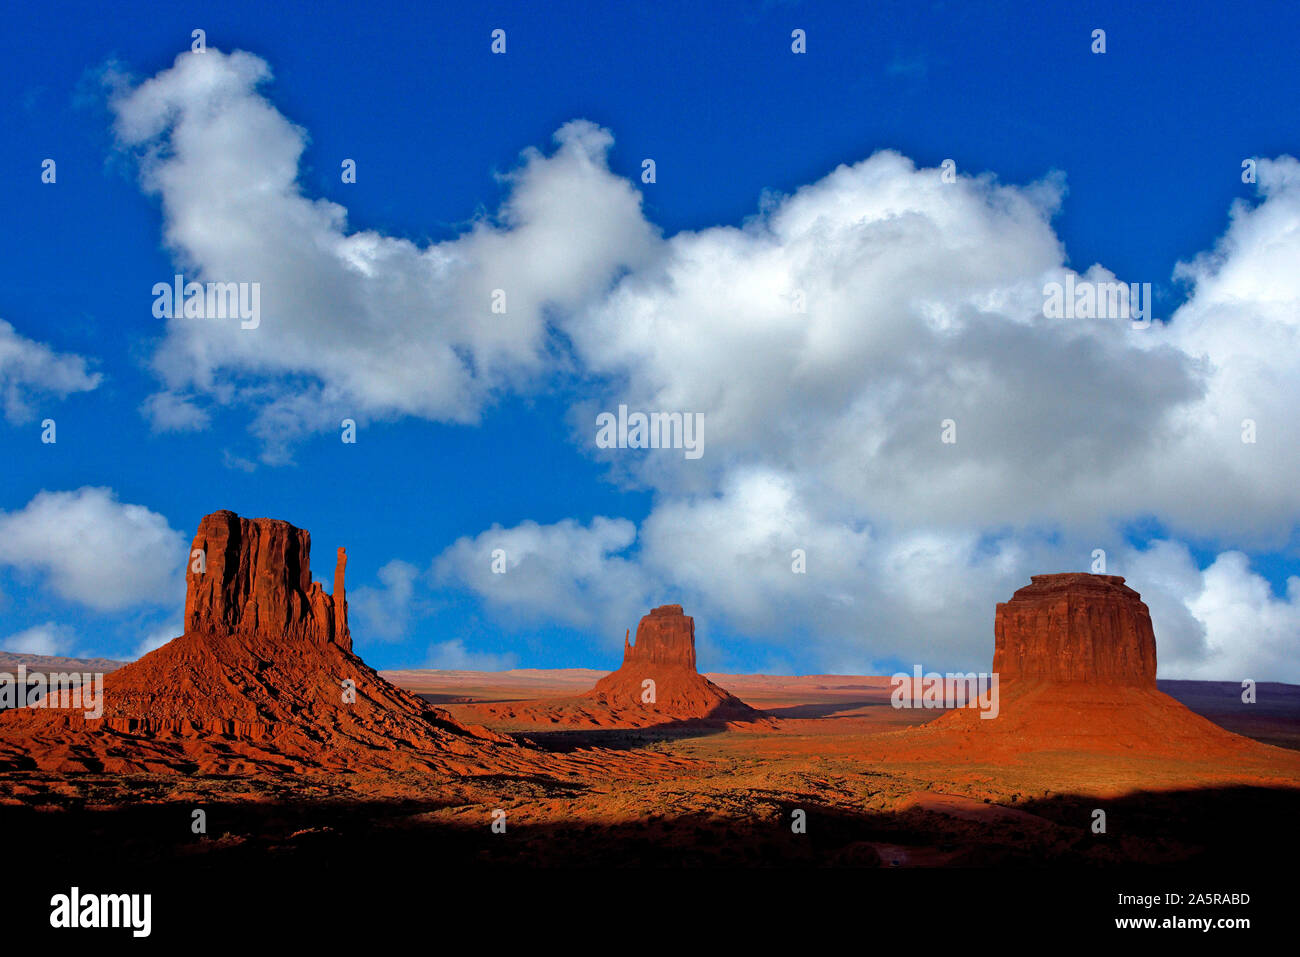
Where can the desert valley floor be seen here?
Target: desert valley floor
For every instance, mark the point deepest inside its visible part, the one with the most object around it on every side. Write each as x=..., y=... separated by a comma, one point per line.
x=709, y=793
x=258, y=754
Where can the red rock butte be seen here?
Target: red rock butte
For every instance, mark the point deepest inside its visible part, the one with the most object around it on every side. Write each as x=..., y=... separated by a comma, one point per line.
x=263, y=678
x=664, y=654
x=1075, y=627
x=665, y=637
x=251, y=575
x=1075, y=656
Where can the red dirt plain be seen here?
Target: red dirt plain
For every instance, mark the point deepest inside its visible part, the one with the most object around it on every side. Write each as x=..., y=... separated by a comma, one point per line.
x=877, y=788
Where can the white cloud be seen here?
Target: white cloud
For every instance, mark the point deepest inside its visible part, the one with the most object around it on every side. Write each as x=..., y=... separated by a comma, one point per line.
x=370, y=325
x=170, y=412
x=29, y=370
x=924, y=596
x=1241, y=324
x=232, y=461
x=453, y=656
x=566, y=572
x=159, y=636
x=924, y=302
x=1249, y=632
x=46, y=639
x=1222, y=622
x=862, y=598
x=384, y=613
x=95, y=550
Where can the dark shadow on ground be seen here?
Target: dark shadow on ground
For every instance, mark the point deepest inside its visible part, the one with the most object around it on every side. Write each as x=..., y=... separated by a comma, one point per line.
x=1213, y=827
x=826, y=709
x=620, y=739
x=342, y=865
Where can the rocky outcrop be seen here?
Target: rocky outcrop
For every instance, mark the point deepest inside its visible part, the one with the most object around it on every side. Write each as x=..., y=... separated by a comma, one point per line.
x=342, y=635
x=665, y=637
x=254, y=576
x=1076, y=627
x=1076, y=659
x=658, y=682
x=262, y=679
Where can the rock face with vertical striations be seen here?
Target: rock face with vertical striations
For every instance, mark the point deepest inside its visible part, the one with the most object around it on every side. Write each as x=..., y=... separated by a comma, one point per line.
x=1076, y=627
x=342, y=635
x=663, y=637
x=254, y=575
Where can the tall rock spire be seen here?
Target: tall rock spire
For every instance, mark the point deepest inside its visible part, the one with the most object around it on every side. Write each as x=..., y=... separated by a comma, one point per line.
x=341, y=633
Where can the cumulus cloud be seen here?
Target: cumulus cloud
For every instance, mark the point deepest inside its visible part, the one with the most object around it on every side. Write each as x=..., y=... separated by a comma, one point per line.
x=385, y=612
x=365, y=324
x=825, y=340
x=828, y=337
x=92, y=549
x=454, y=656
x=868, y=599
x=924, y=302
x=157, y=637
x=1241, y=324
x=47, y=639
x=567, y=572
x=30, y=370
x=755, y=561
x=1250, y=633
x=1221, y=622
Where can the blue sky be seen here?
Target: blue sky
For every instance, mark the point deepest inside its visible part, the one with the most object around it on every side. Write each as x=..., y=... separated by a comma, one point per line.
x=1140, y=146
